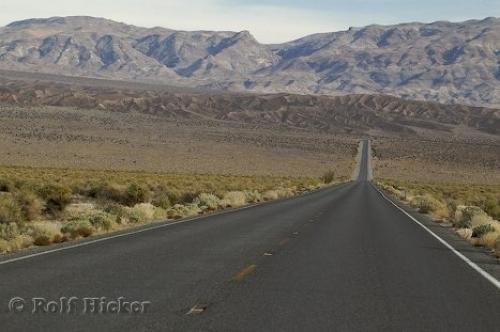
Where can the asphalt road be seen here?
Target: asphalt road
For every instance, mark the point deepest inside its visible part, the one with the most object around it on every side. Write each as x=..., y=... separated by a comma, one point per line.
x=339, y=259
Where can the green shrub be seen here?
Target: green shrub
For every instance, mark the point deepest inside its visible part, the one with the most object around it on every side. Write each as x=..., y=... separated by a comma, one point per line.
x=463, y=223
x=481, y=230
x=464, y=215
x=10, y=211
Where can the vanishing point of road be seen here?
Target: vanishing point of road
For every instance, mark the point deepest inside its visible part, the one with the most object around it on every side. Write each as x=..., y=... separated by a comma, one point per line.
x=343, y=258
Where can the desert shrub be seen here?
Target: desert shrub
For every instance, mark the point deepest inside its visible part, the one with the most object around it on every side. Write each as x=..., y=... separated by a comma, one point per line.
x=43, y=232
x=463, y=223
x=135, y=217
x=464, y=215
x=31, y=205
x=4, y=246
x=400, y=194
x=425, y=203
x=137, y=194
x=465, y=233
x=147, y=210
x=59, y=238
x=7, y=185
x=10, y=211
x=42, y=240
x=483, y=229
x=160, y=213
x=210, y=201
x=284, y=193
x=114, y=208
x=234, y=199
x=139, y=213
x=21, y=241
x=467, y=212
x=497, y=247
x=253, y=196
x=188, y=197
x=179, y=211
x=76, y=228
x=57, y=197
x=111, y=192
x=127, y=195
x=490, y=239
x=492, y=208
x=79, y=210
x=9, y=231
x=101, y=220
x=328, y=177
x=452, y=206
x=270, y=195
x=161, y=200
x=174, y=195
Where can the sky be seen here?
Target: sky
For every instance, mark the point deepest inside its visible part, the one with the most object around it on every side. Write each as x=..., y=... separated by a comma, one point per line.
x=270, y=21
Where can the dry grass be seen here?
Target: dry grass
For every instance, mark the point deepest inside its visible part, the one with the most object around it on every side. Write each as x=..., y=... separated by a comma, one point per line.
x=42, y=206
x=451, y=160
x=93, y=139
x=474, y=210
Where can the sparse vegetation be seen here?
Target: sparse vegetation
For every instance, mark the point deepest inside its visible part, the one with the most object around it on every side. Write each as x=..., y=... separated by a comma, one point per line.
x=42, y=206
x=328, y=177
x=472, y=209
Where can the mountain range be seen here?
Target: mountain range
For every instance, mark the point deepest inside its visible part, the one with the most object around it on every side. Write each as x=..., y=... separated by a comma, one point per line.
x=452, y=63
x=356, y=114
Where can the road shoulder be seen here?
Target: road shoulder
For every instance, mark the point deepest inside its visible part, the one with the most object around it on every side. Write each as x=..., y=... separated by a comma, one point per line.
x=478, y=255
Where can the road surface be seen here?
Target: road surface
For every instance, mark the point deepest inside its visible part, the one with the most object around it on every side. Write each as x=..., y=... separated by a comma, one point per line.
x=339, y=259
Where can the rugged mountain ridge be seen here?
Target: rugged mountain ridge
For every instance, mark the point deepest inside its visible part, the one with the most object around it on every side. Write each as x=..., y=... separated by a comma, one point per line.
x=357, y=114
x=441, y=61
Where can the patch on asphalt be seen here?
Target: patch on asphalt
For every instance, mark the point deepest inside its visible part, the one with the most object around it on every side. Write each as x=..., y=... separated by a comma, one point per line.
x=196, y=310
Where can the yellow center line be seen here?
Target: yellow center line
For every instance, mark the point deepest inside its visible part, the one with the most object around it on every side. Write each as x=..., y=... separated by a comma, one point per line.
x=244, y=272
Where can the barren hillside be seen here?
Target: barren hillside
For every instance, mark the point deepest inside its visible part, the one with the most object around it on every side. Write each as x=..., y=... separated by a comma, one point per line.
x=441, y=61
x=356, y=114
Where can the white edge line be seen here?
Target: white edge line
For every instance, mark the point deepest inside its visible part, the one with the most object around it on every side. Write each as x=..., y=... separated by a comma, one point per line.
x=146, y=229
x=473, y=265
x=132, y=232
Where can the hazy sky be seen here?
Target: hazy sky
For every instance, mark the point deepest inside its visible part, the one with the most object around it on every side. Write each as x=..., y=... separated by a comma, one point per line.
x=268, y=20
